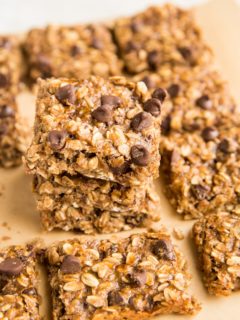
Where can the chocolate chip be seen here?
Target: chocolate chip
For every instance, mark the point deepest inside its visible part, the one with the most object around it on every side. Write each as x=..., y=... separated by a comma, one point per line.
x=70, y=264
x=173, y=90
x=122, y=169
x=204, y=102
x=97, y=43
x=6, y=111
x=11, y=267
x=186, y=53
x=166, y=125
x=57, y=139
x=141, y=121
x=199, y=192
x=153, y=59
x=115, y=299
x=163, y=249
x=75, y=51
x=140, y=155
x=113, y=101
x=224, y=146
x=153, y=106
x=30, y=291
x=4, y=80
x=66, y=94
x=138, y=278
x=149, y=82
x=136, y=26
x=159, y=94
x=5, y=43
x=3, y=129
x=209, y=133
x=103, y=114
x=131, y=46
x=43, y=63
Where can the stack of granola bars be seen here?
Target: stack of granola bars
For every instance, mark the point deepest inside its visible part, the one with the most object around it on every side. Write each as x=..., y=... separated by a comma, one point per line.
x=95, y=153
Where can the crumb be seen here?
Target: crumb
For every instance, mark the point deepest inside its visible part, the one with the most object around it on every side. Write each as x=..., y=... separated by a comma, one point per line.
x=178, y=233
x=5, y=238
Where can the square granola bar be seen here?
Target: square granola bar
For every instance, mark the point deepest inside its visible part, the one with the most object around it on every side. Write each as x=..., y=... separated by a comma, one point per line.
x=71, y=51
x=161, y=35
x=217, y=238
x=104, y=129
x=132, y=278
x=19, y=297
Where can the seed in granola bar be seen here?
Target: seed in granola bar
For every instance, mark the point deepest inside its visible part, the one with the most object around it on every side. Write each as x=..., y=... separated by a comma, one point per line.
x=140, y=155
x=159, y=94
x=224, y=146
x=141, y=121
x=4, y=81
x=175, y=157
x=6, y=111
x=138, y=278
x=186, y=53
x=173, y=90
x=163, y=249
x=199, y=192
x=153, y=106
x=153, y=59
x=3, y=129
x=44, y=65
x=66, y=94
x=149, y=82
x=57, y=139
x=166, y=124
x=75, y=50
x=113, y=101
x=70, y=264
x=204, y=102
x=97, y=43
x=30, y=291
x=209, y=133
x=103, y=114
x=114, y=298
x=11, y=266
x=131, y=46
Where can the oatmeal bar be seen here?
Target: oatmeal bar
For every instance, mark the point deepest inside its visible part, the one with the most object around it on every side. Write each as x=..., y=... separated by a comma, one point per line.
x=199, y=141
x=71, y=51
x=161, y=35
x=105, y=129
x=132, y=278
x=217, y=238
x=105, y=195
x=11, y=66
x=19, y=297
x=13, y=133
x=65, y=211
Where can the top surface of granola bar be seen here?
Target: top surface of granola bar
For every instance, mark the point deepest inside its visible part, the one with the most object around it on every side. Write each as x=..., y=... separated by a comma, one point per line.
x=161, y=35
x=97, y=128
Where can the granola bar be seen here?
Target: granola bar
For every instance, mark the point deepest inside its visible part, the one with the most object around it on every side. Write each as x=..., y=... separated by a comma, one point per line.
x=71, y=51
x=19, y=297
x=89, y=192
x=13, y=133
x=161, y=35
x=132, y=278
x=66, y=212
x=11, y=66
x=217, y=238
x=105, y=129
